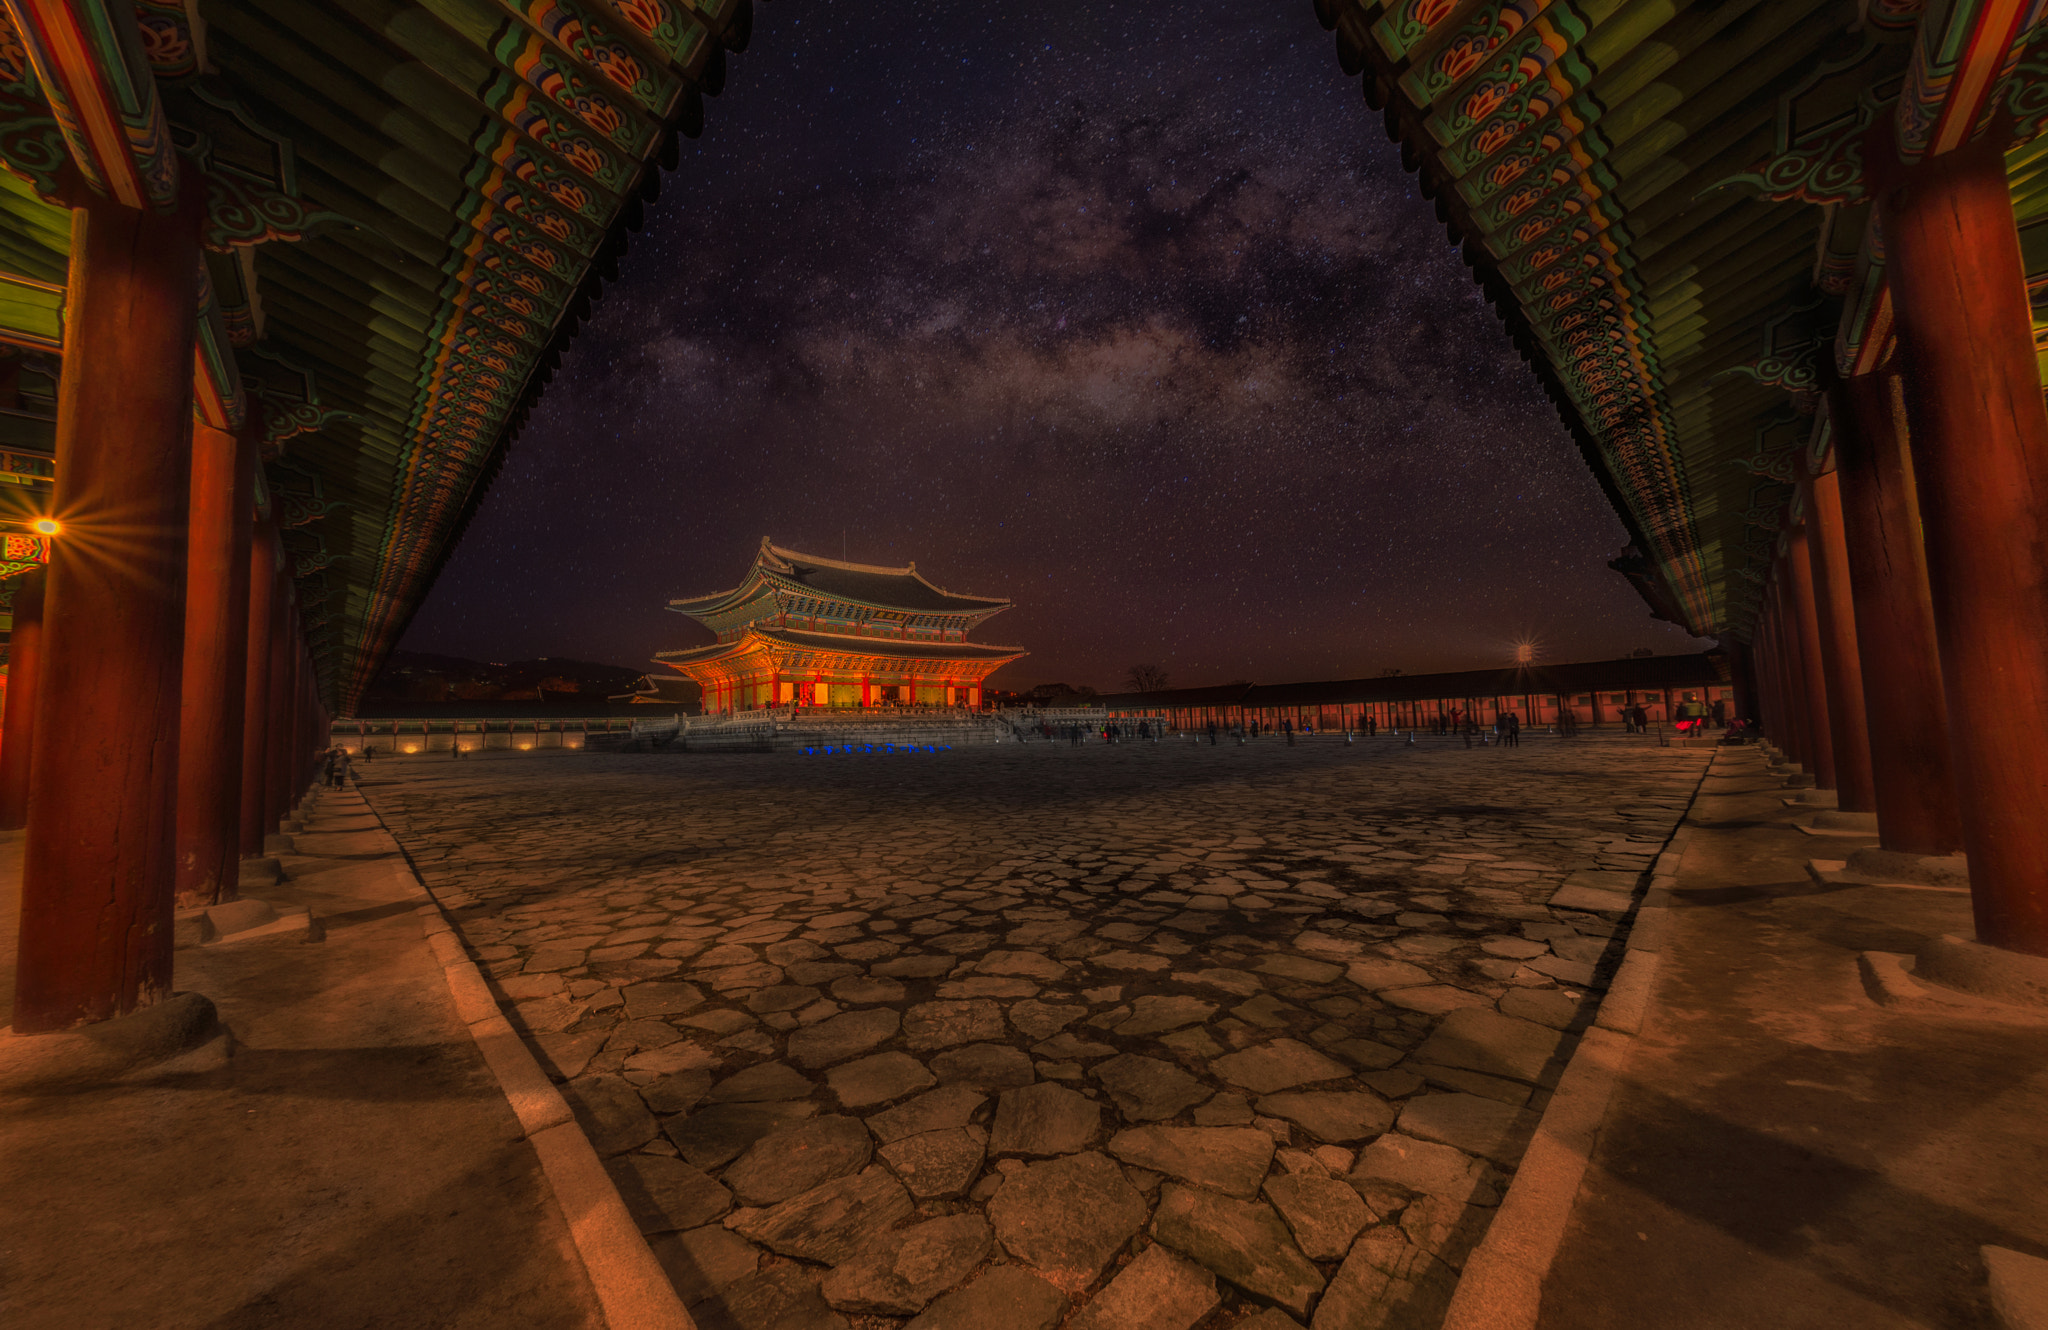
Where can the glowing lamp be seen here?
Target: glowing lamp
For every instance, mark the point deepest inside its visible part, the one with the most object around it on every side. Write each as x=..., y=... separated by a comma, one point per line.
x=48, y=526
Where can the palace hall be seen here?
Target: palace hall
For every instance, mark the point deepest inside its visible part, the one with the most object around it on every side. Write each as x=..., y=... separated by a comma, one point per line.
x=800, y=630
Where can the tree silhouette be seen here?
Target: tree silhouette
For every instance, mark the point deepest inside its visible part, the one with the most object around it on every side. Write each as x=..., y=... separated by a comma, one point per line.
x=1147, y=679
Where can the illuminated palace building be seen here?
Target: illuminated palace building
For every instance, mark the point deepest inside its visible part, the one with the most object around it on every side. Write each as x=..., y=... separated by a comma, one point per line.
x=804, y=631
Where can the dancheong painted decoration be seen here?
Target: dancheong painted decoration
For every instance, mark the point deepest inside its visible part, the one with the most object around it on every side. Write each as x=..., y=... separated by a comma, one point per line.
x=800, y=630
x=409, y=208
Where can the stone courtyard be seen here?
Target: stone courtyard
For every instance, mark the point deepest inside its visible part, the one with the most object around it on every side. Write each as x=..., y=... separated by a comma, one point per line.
x=1155, y=1035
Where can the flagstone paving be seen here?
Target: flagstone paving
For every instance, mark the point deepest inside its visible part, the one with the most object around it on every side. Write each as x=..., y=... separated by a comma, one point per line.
x=967, y=1037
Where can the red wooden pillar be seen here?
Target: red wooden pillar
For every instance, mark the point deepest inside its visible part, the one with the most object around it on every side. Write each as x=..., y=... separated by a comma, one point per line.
x=1980, y=460
x=97, y=867
x=1796, y=733
x=24, y=672
x=1912, y=775
x=1770, y=714
x=1742, y=675
x=216, y=651
x=295, y=788
x=256, y=719
x=278, y=705
x=1782, y=724
x=1812, y=682
x=1841, y=666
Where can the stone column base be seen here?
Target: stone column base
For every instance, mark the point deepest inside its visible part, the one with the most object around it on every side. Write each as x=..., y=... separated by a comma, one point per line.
x=1969, y=966
x=181, y=1034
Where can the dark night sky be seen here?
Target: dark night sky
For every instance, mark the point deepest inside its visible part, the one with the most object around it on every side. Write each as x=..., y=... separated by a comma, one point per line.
x=1138, y=322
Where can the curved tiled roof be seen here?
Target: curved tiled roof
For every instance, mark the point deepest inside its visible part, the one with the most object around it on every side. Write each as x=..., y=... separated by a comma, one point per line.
x=849, y=643
x=415, y=204
x=1667, y=206
x=872, y=585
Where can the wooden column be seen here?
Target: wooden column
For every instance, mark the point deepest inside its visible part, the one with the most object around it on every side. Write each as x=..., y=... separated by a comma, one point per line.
x=216, y=651
x=1812, y=681
x=1912, y=774
x=98, y=864
x=277, y=731
x=24, y=673
x=262, y=628
x=1797, y=741
x=1841, y=668
x=1980, y=460
x=1741, y=680
x=1784, y=717
x=1770, y=713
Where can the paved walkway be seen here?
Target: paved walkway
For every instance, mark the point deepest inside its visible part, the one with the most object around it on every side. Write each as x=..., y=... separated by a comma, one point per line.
x=989, y=1036
x=353, y=1165
x=1781, y=1151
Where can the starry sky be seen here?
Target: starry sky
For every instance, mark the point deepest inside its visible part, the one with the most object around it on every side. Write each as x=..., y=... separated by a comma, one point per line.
x=1123, y=310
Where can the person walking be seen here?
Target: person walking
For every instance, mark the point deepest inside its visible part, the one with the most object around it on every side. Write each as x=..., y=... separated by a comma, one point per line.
x=1287, y=729
x=1514, y=729
x=1212, y=734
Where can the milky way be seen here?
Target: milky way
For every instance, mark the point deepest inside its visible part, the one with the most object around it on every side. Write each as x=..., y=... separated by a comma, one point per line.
x=1137, y=322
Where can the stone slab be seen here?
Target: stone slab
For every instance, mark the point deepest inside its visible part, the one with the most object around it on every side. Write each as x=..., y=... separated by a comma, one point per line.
x=1591, y=898
x=1226, y=1159
x=1043, y=1120
x=1245, y=1242
x=842, y=1037
x=877, y=1079
x=1323, y=1214
x=1280, y=1065
x=937, y=1164
x=797, y=1158
x=829, y=1224
x=713, y=1137
x=1146, y=1089
x=2018, y=1287
x=1494, y=1044
x=947, y=1106
x=1067, y=1218
x=667, y=1195
x=984, y=1066
x=1477, y=1126
x=1338, y=1116
x=934, y=1025
x=1159, y=1290
x=905, y=1269
x=760, y=1083
x=1004, y=1296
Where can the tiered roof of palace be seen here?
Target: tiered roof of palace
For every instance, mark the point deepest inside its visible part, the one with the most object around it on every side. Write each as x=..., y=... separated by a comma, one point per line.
x=828, y=606
x=781, y=579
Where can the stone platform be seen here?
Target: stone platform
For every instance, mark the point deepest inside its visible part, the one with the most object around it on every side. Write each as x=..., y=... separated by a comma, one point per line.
x=1789, y=1143
x=1026, y=1034
x=353, y=1163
